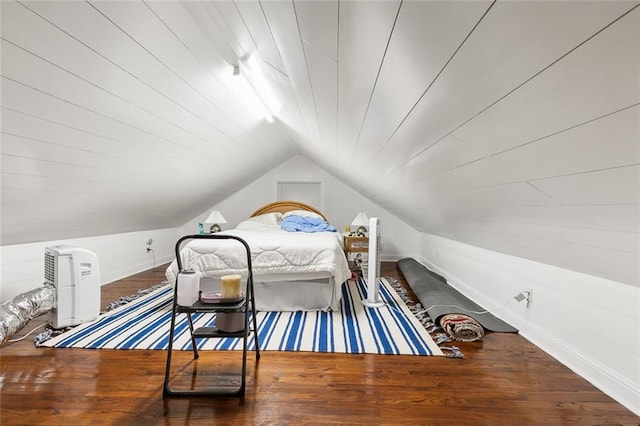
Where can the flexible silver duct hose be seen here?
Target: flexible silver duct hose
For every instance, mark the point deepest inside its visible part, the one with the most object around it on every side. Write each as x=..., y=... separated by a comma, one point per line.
x=16, y=313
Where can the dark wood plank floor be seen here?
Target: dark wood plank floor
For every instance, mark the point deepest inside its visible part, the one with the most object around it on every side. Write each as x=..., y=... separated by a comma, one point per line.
x=502, y=380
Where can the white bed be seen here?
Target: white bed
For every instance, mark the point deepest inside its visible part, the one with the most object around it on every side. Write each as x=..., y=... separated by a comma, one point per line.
x=292, y=271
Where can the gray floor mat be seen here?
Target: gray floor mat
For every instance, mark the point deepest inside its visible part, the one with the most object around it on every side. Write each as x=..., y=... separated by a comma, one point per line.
x=432, y=289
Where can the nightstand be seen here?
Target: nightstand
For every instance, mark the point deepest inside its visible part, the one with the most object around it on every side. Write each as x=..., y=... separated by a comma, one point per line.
x=353, y=246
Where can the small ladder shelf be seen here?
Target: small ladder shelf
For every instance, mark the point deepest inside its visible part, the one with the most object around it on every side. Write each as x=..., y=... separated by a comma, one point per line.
x=246, y=305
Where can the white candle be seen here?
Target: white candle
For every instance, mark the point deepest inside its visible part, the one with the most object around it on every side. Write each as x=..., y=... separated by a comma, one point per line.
x=230, y=286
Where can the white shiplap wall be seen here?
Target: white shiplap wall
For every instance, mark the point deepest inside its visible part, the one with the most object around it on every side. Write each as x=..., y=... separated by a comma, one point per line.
x=119, y=256
x=587, y=323
x=341, y=205
x=106, y=119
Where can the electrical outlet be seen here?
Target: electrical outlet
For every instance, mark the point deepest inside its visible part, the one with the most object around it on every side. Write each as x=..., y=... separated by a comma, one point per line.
x=525, y=295
x=520, y=296
x=149, y=242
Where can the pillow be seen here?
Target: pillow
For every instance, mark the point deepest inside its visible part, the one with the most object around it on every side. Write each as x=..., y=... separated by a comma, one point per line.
x=267, y=218
x=302, y=213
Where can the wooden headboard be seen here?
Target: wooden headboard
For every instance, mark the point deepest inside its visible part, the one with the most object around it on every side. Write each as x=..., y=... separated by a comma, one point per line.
x=285, y=206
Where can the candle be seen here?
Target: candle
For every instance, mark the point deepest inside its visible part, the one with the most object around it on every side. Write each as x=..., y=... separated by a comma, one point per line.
x=230, y=286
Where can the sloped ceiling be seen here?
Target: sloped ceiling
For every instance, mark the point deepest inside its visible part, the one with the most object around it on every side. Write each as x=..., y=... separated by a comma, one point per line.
x=507, y=125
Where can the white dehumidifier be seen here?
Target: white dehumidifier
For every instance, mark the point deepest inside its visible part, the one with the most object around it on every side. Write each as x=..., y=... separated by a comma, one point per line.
x=75, y=274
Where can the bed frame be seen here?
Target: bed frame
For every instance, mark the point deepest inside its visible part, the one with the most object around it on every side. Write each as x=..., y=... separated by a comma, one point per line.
x=282, y=294
x=296, y=292
x=286, y=206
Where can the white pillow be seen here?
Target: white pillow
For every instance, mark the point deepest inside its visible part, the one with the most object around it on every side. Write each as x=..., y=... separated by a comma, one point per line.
x=302, y=213
x=267, y=218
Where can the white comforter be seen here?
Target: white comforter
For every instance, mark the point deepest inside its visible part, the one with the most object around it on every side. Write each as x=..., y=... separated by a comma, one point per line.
x=275, y=254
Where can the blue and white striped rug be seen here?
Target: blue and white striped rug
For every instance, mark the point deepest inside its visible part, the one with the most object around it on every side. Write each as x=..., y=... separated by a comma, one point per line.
x=144, y=324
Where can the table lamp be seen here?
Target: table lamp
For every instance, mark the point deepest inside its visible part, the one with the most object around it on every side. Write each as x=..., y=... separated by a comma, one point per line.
x=215, y=217
x=361, y=221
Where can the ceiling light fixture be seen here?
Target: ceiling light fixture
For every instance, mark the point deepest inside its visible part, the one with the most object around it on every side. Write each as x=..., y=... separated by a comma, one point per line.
x=249, y=97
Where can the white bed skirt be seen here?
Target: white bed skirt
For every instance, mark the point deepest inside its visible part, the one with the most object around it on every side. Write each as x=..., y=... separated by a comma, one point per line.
x=317, y=295
x=320, y=294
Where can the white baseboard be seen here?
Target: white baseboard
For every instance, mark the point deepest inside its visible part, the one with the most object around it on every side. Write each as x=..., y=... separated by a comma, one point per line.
x=133, y=269
x=620, y=388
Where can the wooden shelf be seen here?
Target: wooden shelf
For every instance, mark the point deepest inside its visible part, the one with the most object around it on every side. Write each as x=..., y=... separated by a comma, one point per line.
x=355, y=245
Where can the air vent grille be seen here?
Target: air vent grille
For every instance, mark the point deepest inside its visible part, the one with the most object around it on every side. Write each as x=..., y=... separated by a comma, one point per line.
x=49, y=268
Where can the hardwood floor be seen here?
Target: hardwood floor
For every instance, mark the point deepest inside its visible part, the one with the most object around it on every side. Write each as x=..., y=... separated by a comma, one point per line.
x=503, y=379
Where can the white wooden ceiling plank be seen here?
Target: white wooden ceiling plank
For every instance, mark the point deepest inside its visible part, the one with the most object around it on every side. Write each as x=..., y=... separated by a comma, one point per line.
x=616, y=218
x=125, y=186
x=248, y=55
x=221, y=42
x=215, y=101
x=424, y=38
x=596, y=79
x=318, y=23
x=86, y=24
x=609, y=142
x=243, y=43
x=170, y=157
x=196, y=105
x=365, y=28
x=256, y=23
x=497, y=196
x=43, y=217
x=11, y=222
x=323, y=73
x=25, y=193
x=139, y=22
x=54, y=209
x=34, y=189
x=32, y=158
x=442, y=157
x=68, y=191
x=71, y=226
x=47, y=107
x=625, y=272
x=614, y=241
x=69, y=54
x=35, y=200
x=224, y=52
x=126, y=204
x=512, y=43
x=97, y=163
x=27, y=69
x=612, y=186
x=50, y=79
x=614, y=258
x=31, y=127
x=106, y=227
x=454, y=203
x=289, y=112
x=283, y=23
x=198, y=166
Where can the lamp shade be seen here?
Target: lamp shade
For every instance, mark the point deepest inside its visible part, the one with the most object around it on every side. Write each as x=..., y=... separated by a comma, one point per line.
x=361, y=220
x=215, y=217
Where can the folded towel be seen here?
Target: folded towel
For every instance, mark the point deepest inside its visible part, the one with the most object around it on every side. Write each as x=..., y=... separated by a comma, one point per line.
x=462, y=327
